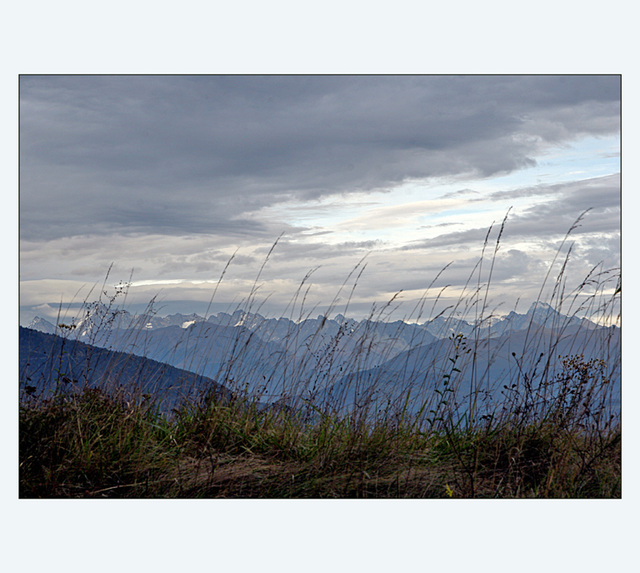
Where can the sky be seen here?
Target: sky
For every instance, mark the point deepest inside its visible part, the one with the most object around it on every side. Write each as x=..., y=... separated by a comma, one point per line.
x=388, y=182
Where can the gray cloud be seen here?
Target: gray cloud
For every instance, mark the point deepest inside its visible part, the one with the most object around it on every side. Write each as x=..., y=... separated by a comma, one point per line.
x=551, y=218
x=178, y=155
x=168, y=176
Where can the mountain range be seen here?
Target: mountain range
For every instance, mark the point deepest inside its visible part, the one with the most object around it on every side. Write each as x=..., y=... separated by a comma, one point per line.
x=345, y=361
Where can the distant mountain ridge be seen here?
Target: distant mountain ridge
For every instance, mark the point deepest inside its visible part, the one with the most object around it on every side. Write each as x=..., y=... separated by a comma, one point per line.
x=441, y=327
x=317, y=356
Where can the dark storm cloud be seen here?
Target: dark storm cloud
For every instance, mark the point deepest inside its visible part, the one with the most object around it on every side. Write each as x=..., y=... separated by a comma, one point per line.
x=177, y=155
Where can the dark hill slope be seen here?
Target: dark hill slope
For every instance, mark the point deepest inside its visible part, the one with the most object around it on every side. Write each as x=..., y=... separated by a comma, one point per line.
x=47, y=360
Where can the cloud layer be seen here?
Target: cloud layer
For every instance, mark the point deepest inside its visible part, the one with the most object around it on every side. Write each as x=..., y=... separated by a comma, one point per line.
x=170, y=175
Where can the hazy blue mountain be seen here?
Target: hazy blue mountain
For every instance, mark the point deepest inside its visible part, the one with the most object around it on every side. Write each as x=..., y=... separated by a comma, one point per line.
x=445, y=326
x=539, y=315
x=488, y=364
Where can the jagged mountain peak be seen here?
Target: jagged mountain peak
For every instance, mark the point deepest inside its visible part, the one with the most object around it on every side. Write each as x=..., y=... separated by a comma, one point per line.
x=42, y=324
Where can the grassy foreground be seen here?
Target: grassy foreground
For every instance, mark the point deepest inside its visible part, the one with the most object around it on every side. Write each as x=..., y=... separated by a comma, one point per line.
x=98, y=444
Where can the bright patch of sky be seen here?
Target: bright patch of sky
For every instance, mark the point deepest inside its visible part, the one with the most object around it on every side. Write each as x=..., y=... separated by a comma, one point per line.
x=588, y=157
x=421, y=209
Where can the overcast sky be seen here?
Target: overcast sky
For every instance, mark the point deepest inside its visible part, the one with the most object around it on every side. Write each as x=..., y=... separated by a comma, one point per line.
x=167, y=177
